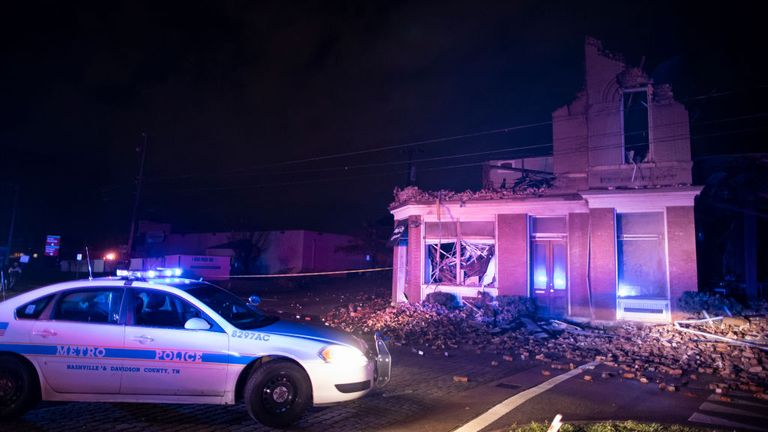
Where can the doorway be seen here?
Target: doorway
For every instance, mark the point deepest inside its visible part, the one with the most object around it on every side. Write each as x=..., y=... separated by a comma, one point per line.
x=549, y=261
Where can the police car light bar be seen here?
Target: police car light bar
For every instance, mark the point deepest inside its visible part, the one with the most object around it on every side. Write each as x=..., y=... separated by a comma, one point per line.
x=150, y=274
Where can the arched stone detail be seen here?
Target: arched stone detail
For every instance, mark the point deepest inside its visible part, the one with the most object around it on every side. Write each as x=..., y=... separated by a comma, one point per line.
x=611, y=92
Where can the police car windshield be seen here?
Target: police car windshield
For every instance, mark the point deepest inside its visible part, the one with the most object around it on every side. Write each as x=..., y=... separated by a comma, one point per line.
x=231, y=307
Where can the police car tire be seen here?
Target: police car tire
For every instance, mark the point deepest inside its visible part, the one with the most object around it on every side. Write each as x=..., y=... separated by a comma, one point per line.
x=260, y=382
x=26, y=380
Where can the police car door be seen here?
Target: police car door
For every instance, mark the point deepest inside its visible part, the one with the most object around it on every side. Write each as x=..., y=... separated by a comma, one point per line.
x=165, y=357
x=79, y=339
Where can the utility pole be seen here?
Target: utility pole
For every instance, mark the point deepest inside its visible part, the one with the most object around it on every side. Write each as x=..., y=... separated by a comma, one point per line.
x=13, y=222
x=411, y=174
x=411, y=169
x=139, y=180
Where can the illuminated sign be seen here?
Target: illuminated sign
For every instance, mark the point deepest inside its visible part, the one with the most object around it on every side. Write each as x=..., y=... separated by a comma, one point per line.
x=52, y=245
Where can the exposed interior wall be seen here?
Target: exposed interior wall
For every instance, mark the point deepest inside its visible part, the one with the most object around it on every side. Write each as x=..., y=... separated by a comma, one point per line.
x=589, y=133
x=603, y=105
x=570, y=144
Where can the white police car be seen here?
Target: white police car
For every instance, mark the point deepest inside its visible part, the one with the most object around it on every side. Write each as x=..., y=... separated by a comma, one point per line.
x=158, y=338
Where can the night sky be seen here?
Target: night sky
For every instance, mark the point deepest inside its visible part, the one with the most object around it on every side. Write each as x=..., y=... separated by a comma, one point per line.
x=245, y=102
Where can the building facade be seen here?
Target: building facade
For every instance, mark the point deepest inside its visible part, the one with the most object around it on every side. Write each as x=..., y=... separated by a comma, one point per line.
x=603, y=229
x=256, y=252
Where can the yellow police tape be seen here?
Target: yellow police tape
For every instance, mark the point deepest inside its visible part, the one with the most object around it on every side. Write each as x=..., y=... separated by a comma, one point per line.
x=311, y=274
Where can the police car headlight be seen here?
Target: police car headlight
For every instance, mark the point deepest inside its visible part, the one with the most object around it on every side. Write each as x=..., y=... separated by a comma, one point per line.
x=343, y=355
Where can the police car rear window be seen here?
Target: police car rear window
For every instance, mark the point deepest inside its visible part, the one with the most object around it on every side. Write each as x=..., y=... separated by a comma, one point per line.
x=90, y=305
x=33, y=309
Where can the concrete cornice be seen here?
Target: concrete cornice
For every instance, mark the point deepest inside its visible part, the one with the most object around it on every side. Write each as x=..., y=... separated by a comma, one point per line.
x=488, y=209
x=642, y=200
x=623, y=200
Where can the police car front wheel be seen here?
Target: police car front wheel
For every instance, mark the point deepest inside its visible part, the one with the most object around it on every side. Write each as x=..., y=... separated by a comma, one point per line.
x=278, y=393
x=18, y=387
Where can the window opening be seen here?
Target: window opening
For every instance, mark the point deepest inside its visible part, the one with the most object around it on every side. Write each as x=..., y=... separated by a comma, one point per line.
x=636, y=132
x=476, y=260
x=441, y=262
x=467, y=257
x=641, y=256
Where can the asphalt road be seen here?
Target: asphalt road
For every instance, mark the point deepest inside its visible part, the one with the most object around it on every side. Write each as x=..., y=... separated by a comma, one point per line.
x=423, y=395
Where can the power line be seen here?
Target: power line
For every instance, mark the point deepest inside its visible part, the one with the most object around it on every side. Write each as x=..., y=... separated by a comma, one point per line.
x=519, y=148
x=378, y=149
x=243, y=171
x=509, y=149
x=533, y=146
x=400, y=172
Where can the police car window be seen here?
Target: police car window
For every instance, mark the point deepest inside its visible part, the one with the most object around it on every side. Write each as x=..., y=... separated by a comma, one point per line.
x=159, y=309
x=33, y=309
x=230, y=307
x=90, y=305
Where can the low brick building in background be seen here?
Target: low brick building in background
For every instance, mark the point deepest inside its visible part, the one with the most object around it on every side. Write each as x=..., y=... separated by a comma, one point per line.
x=602, y=229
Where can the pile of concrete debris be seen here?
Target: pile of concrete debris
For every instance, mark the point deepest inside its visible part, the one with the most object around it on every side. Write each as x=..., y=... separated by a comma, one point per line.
x=732, y=350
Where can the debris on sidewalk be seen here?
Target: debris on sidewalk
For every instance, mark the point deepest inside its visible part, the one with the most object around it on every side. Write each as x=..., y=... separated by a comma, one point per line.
x=757, y=341
x=534, y=329
x=731, y=350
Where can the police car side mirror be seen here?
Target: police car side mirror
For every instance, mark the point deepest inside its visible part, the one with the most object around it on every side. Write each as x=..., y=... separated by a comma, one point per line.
x=196, y=324
x=254, y=300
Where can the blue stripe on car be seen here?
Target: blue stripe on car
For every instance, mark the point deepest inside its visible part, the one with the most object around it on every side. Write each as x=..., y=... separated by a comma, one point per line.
x=29, y=349
x=123, y=353
x=130, y=354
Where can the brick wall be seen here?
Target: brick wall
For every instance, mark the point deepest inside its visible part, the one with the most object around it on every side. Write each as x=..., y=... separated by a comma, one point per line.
x=602, y=267
x=413, y=263
x=578, y=254
x=681, y=237
x=512, y=250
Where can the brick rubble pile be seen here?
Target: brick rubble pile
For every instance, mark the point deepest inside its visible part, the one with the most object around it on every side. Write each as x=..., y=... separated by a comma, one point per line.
x=412, y=194
x=660, y=353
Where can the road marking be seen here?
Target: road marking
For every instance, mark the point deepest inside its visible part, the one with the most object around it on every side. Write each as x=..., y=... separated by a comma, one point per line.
x=716, y=398
x=508, y=405
x=702, y=418
x=706, y=406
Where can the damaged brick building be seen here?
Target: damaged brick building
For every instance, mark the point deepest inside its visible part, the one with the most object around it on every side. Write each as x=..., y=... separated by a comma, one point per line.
x=602, y=229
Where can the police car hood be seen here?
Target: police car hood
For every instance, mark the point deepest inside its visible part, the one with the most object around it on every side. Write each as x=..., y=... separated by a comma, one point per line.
x=311, y=332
